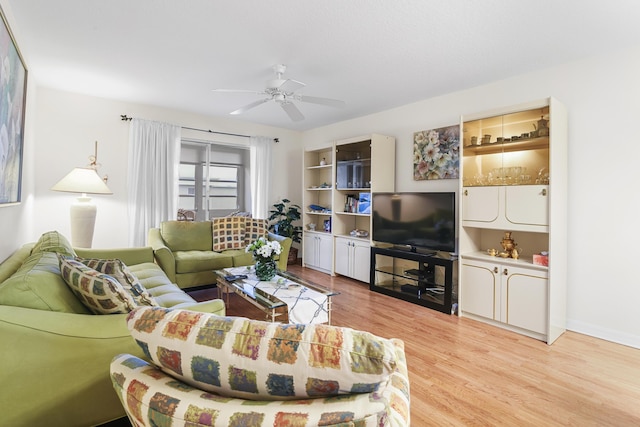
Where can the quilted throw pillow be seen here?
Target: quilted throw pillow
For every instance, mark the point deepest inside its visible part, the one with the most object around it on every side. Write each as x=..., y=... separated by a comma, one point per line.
x=119, y=271
x=255, y=228
x=228, y=233
x=257, y=360
x=100, y=293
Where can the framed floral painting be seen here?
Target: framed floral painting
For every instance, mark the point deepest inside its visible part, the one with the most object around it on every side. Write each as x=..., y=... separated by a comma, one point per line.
x=436, y=153
x=13, y=91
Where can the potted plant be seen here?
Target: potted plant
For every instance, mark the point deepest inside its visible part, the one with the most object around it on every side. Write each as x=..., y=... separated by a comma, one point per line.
x=283, y=215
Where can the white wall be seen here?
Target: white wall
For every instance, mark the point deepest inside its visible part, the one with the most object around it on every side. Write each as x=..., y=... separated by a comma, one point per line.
x=602, y=95
x=62, y=130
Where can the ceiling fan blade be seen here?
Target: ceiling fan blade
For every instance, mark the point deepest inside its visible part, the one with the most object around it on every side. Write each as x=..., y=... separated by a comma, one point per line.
x=238, y=91
x=292, y=111
x=250, y=106
x=290, y=86
x=322, y=101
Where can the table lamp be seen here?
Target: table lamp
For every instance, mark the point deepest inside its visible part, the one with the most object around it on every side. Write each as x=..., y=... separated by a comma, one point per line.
x=83, y=212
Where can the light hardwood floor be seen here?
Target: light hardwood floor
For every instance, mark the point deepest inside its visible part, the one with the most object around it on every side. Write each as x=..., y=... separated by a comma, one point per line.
x=464, y=373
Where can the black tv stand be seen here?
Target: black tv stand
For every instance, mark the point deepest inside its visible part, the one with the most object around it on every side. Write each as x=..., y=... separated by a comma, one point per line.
x=415, y=250
x=421, y=278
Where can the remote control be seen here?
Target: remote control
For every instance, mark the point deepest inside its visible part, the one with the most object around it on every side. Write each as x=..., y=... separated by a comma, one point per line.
x=235, y=277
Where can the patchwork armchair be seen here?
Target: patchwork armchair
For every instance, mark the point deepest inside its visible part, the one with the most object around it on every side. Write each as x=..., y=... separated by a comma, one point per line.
x=207, y=370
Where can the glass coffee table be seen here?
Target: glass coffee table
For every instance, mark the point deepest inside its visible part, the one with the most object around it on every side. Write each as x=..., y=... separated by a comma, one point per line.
x=286, y=298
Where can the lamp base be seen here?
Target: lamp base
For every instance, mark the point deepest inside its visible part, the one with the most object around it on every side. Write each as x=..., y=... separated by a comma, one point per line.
x=83, y=220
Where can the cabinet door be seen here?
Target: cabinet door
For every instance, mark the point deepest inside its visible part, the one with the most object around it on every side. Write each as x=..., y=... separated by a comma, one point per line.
x=309, y=252
x=361, y=261
x=325, y=252
x=480, y=204
x=343, y=256
x=526, y=300
x=480, y=289
x=527, y=204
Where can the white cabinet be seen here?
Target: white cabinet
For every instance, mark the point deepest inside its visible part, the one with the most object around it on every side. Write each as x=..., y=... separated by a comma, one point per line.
x=353, y=258
x=523, y=207
x=514, y=179
x=506, y=293
x=317, y=251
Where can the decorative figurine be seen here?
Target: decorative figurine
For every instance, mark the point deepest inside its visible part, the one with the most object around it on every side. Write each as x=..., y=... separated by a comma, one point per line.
x=509, y=245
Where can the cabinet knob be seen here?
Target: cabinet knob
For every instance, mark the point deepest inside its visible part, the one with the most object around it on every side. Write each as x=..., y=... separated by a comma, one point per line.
x=544, y=191
x=495, y=270
x=466, y=192
x=505, y=272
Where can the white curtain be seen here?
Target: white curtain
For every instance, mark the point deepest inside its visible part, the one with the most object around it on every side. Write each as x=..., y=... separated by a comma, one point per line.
x=260, y=160
x=154, y=158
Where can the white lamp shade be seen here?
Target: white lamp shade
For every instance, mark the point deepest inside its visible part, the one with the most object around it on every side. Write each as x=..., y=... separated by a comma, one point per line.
x=83, y=212
x=82, y=180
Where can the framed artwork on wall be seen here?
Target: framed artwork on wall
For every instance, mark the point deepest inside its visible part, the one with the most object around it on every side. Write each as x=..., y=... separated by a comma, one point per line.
x=436, y=153
x=13, y=92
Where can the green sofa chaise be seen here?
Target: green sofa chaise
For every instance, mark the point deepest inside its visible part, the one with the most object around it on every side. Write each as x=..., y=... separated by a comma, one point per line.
x=55, y=355
x=189, y=252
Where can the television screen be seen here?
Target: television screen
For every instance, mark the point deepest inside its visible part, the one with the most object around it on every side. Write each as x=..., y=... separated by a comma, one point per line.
x=415, y=220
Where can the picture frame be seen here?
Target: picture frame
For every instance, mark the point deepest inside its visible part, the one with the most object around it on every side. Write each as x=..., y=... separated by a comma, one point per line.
x=13, y=98
x=436, y=153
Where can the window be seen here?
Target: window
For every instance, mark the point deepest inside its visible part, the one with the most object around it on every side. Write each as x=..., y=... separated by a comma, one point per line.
x=212, y=179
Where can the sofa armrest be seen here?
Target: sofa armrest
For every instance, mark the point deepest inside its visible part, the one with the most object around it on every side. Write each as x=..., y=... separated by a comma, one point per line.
x=285, y=243
x=130, y=256
x=163, y=255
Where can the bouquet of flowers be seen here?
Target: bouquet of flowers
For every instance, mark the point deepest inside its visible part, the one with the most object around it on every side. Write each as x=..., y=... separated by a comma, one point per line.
x=264, y=252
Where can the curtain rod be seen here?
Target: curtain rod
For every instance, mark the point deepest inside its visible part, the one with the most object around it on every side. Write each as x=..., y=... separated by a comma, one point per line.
x=126, y=118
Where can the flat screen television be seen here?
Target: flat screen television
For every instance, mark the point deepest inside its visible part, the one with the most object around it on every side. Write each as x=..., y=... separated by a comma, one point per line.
x=421, y=222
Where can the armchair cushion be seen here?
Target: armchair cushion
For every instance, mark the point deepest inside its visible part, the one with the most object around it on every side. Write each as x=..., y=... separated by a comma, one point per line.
x=151, y=397
x=228, y=233
x=100, y=293
x=259, y=360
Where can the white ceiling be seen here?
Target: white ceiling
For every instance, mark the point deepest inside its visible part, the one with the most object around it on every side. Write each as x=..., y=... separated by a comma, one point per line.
x=373, y=54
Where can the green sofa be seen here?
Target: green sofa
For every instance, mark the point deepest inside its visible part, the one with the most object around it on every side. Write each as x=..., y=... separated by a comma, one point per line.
x=55, y=355
x=184, y=250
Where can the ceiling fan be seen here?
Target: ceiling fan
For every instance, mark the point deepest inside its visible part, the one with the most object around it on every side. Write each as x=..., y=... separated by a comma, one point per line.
x=283, y=91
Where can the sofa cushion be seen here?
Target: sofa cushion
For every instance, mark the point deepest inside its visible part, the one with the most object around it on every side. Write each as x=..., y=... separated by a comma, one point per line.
x=119, y=271
x=252, y=359
x=241, y=258
x=187, y=235
x=38, y=284
x=228, y=233
x=52, y=241
x=255, y=228
x=194, y=261
x=100, y=293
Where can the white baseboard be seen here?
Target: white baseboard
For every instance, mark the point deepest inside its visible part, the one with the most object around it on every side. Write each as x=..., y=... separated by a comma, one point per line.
x=618, y=337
